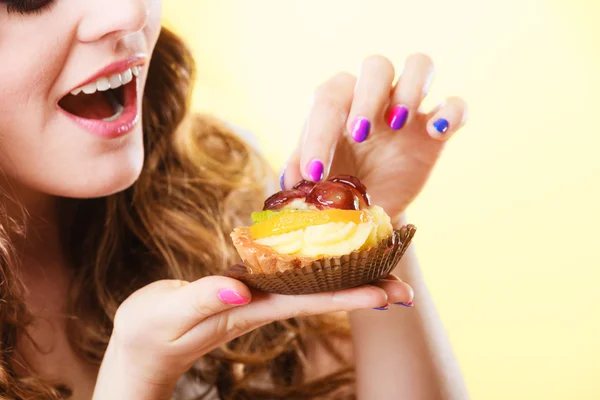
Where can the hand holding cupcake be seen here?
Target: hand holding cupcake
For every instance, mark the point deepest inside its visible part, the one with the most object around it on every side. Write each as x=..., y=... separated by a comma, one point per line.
x=319, y=237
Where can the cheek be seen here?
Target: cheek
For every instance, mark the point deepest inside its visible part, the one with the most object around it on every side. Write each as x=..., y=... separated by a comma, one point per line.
x=34, y=63
x=154, y=21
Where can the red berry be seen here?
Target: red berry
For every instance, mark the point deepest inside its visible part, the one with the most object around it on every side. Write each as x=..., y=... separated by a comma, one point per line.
x=280, y=199
x=356, y=184
x=304, y=186
x=333, y=195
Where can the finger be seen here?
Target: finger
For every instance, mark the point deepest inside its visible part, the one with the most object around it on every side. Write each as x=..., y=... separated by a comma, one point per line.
x=325, y=124
x=201, y=299
x=396, y=290
x=266, y=308
x=447, y=118
x=411, y=89
x=371, y=97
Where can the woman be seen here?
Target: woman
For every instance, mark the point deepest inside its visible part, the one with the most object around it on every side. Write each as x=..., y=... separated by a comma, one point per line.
x=117, y=205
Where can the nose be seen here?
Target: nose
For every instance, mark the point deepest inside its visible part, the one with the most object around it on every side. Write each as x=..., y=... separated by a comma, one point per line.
x=112, y=19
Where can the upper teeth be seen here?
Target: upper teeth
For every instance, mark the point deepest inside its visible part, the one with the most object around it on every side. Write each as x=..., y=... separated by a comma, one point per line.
x=109, y=82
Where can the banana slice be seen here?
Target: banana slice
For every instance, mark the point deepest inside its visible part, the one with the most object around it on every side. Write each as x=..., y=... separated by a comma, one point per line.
x=383, y=222
x=348, y=245
x=332, y=233
x=290, y=248
x=283, y=239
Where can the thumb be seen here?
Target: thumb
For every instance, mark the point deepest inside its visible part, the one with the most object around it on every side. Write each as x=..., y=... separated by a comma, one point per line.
x=199, y=300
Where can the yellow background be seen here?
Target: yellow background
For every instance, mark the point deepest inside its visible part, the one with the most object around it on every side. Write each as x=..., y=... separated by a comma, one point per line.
x=508, y=224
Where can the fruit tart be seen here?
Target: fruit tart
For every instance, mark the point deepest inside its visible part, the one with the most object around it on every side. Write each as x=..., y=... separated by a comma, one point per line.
x=318, y=237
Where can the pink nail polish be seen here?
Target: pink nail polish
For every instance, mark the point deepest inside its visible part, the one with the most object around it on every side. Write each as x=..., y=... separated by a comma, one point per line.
x=229, y=296
x=314, y=170
x=398, y=117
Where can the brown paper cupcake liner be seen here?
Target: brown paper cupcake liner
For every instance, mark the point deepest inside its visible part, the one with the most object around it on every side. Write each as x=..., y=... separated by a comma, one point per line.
x=330, y=274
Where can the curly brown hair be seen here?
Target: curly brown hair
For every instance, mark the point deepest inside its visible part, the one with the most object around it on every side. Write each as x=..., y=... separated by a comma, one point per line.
x=199, y=181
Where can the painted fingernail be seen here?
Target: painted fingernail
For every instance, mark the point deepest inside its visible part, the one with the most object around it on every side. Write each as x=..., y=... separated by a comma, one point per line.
x=398, y=117
x=386, y=307
x=360, y=129
x=409, y=304
x=441, y=125
x=229, y=296
x=314, y=170
x=282, y=180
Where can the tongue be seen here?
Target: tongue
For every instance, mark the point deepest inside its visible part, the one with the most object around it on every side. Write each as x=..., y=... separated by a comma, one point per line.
x=99, y=105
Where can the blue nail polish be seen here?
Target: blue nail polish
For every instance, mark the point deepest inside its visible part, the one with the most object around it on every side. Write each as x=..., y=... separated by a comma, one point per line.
x=441, y=125
x=410, y=304
x=281, y=180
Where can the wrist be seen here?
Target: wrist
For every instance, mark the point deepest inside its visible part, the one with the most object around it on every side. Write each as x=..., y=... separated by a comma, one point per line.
x=124, y=376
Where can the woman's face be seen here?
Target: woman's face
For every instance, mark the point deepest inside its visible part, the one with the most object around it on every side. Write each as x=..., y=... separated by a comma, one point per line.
x=72, y=74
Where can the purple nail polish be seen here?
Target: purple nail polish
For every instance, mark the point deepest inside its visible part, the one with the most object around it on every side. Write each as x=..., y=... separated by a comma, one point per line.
x=398, y=117
x=314, y=170
x=409, y=304
x=360, y=129
x=386, y=307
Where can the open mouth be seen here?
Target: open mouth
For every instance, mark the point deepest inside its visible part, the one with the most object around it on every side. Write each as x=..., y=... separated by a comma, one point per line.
x=105, y=99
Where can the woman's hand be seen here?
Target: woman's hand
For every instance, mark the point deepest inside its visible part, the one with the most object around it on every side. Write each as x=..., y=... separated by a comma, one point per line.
x=375, y=130
x=163, y=328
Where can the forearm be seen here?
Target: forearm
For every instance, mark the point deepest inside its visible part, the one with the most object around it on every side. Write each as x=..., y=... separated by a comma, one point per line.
x=404, y=352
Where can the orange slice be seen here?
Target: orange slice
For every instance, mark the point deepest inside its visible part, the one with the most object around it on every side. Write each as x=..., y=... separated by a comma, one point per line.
x=289, y=222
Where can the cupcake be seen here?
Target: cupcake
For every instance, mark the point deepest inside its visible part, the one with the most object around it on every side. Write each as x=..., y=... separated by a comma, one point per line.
x=318, y=237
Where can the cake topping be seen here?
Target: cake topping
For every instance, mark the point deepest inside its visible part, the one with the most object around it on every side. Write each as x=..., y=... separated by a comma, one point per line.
x=304, y=186
x=343, y=192
x=355, y=184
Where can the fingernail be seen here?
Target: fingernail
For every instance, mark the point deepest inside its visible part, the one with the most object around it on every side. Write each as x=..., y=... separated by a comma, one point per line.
x=409, y=304
x=229, y=296
x=441, y=125
x=360, y=129
x=282, y=180
x=386, y=307
x=314, y=170
x=398, y=117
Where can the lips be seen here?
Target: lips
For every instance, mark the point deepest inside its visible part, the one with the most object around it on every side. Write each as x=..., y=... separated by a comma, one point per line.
x=107, y=104
x=101, y=100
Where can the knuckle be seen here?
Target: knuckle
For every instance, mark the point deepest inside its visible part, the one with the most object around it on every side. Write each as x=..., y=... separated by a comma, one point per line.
x=201, y=311
x=175, y=284
x=232, y=327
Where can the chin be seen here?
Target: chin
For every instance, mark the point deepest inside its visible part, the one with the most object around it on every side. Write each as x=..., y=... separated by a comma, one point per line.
x=112, y=173
x=93, y=171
